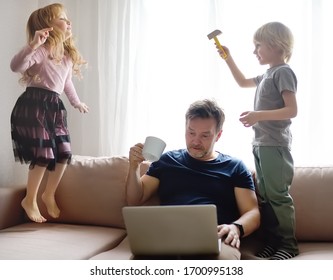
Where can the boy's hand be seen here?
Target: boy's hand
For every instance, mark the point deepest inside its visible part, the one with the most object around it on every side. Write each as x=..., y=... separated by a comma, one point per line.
x=248, y=118
x=225, y=53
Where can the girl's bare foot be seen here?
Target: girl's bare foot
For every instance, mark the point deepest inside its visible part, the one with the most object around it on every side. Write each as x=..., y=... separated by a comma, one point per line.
x=51, y=205
x=31, y=209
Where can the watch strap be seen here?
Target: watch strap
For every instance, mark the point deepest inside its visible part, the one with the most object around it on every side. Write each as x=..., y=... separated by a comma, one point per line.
x=240, y=228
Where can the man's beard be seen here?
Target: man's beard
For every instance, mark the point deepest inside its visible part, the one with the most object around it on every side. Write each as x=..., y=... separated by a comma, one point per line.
x=197, y=152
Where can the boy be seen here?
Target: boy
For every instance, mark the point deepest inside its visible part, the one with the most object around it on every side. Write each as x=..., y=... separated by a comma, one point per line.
x=274, y=105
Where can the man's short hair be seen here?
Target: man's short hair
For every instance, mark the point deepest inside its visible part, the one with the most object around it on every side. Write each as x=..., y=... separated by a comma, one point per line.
x=206, y=109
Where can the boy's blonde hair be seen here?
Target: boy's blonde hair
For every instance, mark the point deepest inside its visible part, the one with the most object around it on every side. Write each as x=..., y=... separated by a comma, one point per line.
x=276, y=34
x=56, y=43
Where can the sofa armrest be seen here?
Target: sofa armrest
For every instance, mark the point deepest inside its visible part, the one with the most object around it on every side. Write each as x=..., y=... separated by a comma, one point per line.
x=11, y=211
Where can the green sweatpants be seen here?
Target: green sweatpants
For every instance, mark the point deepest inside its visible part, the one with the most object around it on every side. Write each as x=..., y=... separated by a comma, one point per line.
x=274, y=172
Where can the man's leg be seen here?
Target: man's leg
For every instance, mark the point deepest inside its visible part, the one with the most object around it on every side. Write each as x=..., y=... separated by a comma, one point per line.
x=228, y=252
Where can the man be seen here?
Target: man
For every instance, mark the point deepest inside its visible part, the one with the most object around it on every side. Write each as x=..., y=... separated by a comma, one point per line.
x=200, y=175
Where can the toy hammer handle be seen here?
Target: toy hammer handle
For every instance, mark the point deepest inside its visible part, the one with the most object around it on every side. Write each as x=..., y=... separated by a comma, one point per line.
x=217, y=42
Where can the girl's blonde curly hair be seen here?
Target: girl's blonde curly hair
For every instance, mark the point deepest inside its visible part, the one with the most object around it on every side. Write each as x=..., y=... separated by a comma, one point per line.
x=55, y=43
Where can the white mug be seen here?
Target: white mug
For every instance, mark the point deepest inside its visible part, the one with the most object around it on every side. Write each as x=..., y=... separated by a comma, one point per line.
x=153, y=148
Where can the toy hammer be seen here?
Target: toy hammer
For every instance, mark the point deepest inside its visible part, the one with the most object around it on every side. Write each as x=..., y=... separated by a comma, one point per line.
x=214, y=35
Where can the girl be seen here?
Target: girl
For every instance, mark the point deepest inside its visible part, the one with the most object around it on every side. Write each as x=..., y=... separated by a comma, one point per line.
x=38, y=120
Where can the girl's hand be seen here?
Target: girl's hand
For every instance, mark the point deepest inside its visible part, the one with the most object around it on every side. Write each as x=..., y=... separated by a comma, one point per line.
x=82, y=107
x=40, y=37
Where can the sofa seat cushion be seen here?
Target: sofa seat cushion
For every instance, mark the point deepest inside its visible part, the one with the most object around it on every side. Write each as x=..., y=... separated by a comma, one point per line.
x=51, y=241
x=121, y=252
x=315, y=251
x=307, y=250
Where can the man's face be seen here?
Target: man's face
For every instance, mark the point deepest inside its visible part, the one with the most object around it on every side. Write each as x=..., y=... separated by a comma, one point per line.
x=201, y=136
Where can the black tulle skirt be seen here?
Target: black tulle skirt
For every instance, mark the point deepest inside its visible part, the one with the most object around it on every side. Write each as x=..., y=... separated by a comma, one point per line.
x=39, y=129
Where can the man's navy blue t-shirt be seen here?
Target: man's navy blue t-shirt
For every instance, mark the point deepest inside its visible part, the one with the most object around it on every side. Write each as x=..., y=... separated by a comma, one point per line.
x=186, y=180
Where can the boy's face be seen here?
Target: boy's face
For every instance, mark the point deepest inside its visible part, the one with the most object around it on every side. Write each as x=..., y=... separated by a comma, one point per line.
x=267, y=54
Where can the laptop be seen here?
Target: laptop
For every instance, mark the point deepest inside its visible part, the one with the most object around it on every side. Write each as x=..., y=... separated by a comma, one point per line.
x=172, y=230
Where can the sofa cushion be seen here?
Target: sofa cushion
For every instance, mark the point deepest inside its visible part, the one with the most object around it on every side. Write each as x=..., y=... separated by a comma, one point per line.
x=307, y=250
x=312, y=191
x=51, y=241
x=11, y=212
x=315, y=251
x=92, y=191
x=121, y=252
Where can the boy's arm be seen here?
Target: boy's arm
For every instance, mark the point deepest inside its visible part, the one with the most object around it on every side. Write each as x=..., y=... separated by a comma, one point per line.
x=237, y=74
x=289, y=111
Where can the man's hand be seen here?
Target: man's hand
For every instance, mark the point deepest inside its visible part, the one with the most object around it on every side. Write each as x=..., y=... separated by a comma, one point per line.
x=135, y=154
x=229, y=234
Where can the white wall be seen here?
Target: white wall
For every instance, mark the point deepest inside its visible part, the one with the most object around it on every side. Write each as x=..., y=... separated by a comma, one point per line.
x=12, y=21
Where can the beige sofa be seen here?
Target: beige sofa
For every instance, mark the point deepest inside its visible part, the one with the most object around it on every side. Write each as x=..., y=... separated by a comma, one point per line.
x=91, y=196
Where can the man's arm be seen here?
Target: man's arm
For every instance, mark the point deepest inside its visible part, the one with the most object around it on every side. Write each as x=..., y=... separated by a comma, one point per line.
x=249, y=217
x=248, y=207
x=138, y=189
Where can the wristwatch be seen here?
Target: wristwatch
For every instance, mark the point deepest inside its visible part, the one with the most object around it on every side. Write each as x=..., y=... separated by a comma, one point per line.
x=240, y=228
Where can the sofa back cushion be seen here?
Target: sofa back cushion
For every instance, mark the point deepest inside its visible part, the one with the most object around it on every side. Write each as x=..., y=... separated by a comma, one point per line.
x=11, y=212
x=92, y=191
x=312, y=191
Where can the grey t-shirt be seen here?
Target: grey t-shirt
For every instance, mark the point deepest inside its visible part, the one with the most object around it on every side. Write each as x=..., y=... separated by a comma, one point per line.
x=269, y=97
